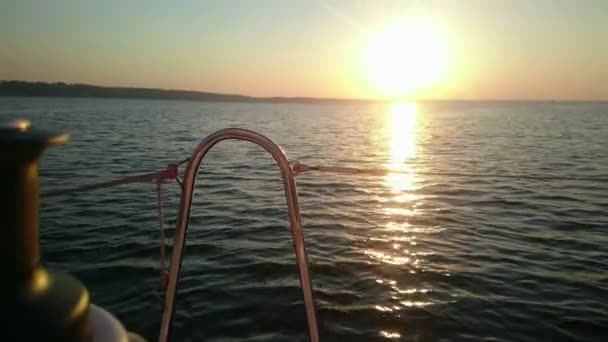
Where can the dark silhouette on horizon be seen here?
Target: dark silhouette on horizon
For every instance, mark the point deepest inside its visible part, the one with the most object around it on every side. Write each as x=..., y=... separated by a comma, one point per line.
x=60, y=89
x=80, y=90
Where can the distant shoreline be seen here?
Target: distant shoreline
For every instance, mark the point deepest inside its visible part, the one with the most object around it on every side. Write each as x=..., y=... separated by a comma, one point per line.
x=60, y=89
x=15, y=88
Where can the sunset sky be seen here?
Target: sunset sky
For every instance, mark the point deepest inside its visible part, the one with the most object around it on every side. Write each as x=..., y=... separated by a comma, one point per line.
x=555, y=50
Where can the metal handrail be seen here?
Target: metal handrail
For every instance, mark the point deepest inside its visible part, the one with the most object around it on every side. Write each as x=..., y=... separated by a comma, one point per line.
x=183, y=219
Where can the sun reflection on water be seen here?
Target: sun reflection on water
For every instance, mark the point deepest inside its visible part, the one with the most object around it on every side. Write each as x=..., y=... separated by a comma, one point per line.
x=401, y=143
x=389, y=334
x=394, y=245
x=403, y=128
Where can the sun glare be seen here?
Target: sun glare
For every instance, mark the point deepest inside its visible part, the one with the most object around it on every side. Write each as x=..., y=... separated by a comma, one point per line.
x=406, y=59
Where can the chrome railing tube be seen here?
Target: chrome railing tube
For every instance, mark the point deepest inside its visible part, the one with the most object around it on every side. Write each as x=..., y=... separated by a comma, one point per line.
x=183, y=219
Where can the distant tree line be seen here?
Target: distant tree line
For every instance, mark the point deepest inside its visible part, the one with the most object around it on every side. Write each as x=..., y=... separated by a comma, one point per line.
x=60, y=89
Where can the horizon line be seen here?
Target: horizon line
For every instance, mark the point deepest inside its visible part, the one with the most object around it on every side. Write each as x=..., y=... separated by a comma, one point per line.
x=236, y=97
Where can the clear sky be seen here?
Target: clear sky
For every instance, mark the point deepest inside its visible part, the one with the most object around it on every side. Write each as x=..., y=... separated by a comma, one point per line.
x=486, y=49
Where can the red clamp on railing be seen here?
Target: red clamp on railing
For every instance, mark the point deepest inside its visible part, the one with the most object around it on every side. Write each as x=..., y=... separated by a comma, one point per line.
x=171, y=172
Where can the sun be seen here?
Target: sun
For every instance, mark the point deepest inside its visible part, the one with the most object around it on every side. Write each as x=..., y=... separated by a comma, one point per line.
x=406, y=59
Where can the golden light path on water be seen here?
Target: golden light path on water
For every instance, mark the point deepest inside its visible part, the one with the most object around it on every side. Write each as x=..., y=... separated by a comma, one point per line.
x=402, y=130
x=403, y=139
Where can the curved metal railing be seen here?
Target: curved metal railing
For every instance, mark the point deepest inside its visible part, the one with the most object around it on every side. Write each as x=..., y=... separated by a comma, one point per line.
x=183, y=218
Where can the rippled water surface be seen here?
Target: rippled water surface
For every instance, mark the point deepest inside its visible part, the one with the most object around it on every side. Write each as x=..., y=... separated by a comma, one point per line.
x=407, y=256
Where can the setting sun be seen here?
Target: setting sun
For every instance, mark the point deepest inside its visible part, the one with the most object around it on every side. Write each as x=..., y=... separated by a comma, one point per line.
x=406, y=58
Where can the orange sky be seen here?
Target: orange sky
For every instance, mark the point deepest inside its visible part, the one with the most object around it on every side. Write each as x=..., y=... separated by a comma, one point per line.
x=496, y=49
